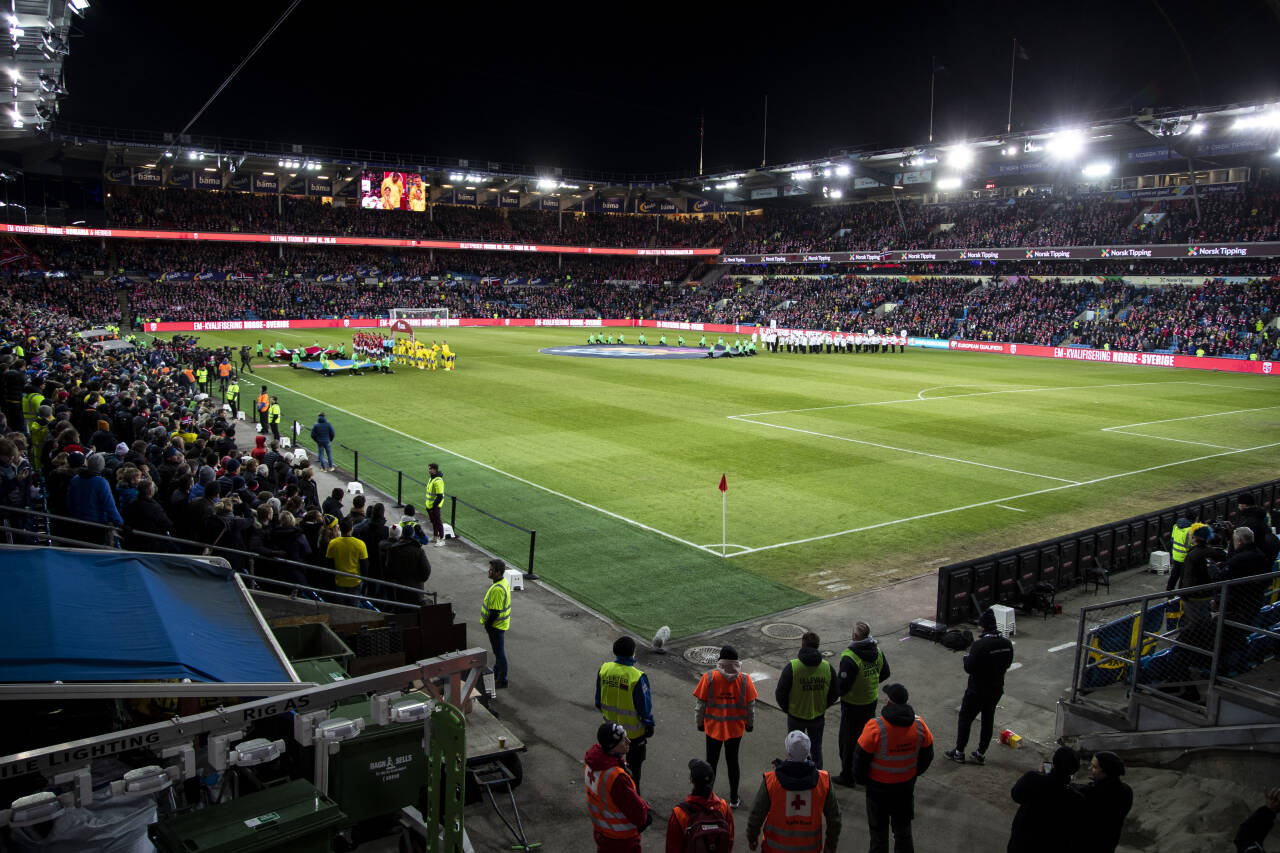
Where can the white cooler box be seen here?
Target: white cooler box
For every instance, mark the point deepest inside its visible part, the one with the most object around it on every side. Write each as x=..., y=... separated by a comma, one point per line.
x=1160, y=563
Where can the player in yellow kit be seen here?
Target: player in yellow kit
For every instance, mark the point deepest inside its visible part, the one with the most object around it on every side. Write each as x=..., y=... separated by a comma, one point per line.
x=447, y=354
x=417, y=194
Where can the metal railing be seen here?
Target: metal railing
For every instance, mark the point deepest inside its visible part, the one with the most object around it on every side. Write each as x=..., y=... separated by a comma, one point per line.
x=454, y=501
x=111, y=540
x=1172, y=645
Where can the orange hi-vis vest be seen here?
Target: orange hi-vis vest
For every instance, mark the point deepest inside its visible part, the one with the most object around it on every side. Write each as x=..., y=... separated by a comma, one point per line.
x=894, y=749
x=607, y=818
x=794, y=822
x=224, y=370
x=725, y=717
x=264, y=402
x=189, y=373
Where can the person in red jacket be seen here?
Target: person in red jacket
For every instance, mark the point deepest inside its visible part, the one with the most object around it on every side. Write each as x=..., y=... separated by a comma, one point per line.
x=711, y=815
x=618, y=813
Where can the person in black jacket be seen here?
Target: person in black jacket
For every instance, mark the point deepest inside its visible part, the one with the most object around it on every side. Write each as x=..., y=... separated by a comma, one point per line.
x=1051, y=813
x=987, y=660
x=1244, y=600
x=1107, y=801
x=1254, y=830
x=1255, y=518
x=862, y=666
x=404, y=561
x=144, y=515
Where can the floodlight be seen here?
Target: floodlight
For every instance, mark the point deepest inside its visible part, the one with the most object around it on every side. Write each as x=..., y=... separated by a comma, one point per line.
x=948, y=183
x=960, y=157
x=78, y=6
x=14, y=75
x=1270, y=118
x=340, y=729
x=251, y=753
x=1011, y=151
x=802, y=176
x=1197, y=128
x=1100, y=169
x=36, y=808
x=144, y=780
x=193, y=155
x=727, y=185
x=1066, y=144
x=842, y=171
x=837, y=193
x=410, y=711
x=543, y=183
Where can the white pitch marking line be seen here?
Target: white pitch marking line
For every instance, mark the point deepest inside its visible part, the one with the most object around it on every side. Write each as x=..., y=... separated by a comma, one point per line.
x=838, y=587
x=1013, y=508
x=1063, y=647
x=1166, y=438
x=817, y=574
x=1190, y=418
x=1006, y=498
x=905, y=450
x=487, y=467
x=919, y=399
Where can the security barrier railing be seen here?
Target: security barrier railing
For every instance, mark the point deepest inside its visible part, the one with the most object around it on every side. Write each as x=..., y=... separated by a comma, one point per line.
x=1182, y=646
x=109, y=537
x=475, y=529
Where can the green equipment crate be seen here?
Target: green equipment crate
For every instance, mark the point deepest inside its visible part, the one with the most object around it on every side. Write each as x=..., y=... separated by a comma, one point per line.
x=313, y=641
x=379, y=772
x=294, y=817
x=323, y=671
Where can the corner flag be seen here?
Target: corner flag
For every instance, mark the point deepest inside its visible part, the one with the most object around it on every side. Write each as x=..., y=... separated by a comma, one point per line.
x=724, y=484
x=724, y=537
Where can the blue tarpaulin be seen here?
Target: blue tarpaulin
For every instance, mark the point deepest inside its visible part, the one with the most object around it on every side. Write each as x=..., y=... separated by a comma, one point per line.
x=112, y=616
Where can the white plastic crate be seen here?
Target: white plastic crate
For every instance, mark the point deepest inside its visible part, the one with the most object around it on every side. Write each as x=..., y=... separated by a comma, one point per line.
x=515, y=578
x=1004, y=619
x=1160, y=563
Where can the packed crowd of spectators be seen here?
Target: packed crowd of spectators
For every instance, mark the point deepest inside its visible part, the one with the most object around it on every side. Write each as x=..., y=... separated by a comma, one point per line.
x=1219, y=318
x=127, y=439
x=146, y=207
x=1250, y=215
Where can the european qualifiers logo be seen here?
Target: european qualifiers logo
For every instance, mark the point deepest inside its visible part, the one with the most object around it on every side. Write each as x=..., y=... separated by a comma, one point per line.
x=1106, y=253
x=1192, y=251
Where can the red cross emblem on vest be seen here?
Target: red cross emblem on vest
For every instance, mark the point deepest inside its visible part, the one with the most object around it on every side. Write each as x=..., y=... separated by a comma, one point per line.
x=800, y=804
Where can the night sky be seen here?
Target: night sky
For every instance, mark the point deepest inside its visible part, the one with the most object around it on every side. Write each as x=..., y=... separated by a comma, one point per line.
x=545, y=86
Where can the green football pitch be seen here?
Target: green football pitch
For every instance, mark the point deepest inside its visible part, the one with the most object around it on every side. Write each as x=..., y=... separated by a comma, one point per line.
x=844, y=471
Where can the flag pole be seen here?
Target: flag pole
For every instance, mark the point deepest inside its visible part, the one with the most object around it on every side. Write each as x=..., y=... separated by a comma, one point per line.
x=933, y=76
x=724, y=497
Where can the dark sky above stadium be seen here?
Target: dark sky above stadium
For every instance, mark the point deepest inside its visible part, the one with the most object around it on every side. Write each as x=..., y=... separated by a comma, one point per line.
x=620, y=87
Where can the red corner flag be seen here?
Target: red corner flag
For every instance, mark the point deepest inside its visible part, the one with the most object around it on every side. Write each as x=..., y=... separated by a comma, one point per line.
x=724, y=484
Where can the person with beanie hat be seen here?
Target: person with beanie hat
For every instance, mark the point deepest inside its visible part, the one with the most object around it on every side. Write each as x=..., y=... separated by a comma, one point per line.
x=893, y=750
x=793, y=801
x=987, y=660
x=862, y=667
x=622, y=696
x=702, y=818
x=618, y=813
x=89, y=499
x=1107, y=802
x=1051, y=813
x=726, y=709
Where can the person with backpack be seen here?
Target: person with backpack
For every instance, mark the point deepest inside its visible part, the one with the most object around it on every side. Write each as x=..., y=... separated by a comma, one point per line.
x=989, y=658
x=726, y=710
x=703, y=822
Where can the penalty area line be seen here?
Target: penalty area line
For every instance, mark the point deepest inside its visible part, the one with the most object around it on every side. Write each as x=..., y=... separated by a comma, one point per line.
x=488, y=467
x=998, y=501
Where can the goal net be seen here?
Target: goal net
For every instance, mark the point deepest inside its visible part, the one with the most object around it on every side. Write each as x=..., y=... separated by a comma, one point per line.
x=419, y=313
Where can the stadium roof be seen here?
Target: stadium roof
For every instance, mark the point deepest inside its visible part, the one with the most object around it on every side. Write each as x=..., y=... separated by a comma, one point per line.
x=1122, y=144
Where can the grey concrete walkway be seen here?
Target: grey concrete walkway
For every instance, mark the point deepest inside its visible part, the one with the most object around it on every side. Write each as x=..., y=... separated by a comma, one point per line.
x=556, y=646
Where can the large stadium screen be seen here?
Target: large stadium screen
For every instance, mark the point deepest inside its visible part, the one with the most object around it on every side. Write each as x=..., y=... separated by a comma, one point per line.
x=393, y=191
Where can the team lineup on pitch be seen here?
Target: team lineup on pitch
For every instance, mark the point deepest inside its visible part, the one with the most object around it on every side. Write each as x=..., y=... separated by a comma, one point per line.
x=941, y=454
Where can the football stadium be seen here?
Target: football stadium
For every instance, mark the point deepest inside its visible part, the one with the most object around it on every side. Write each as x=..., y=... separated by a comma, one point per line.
x=336, y=478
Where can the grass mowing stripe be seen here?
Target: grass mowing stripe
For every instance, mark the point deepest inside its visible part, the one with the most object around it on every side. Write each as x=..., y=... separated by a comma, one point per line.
x=590, y=559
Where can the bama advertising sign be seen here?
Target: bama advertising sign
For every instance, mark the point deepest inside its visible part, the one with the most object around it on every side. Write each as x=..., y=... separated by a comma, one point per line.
x=1065, y=253
x=320, y=240
x=1142, y=359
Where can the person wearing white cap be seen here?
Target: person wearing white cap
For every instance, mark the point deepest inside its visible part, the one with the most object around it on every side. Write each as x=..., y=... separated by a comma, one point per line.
x=791, y=804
